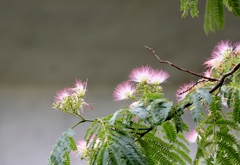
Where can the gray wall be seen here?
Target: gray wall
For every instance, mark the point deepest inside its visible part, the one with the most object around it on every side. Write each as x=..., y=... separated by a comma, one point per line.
x=45, y=45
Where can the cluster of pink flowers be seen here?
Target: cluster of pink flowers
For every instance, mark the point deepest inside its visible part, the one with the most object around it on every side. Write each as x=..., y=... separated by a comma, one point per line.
x=221, y=52
x=71, y=99
x=144, y=74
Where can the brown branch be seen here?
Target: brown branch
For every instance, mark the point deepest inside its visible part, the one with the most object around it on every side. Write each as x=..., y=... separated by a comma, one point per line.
x=220, y=82
x=179, y=68
x=222, y=79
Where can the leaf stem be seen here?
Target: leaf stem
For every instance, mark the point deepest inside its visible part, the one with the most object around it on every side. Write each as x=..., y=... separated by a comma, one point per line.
x=82, y=121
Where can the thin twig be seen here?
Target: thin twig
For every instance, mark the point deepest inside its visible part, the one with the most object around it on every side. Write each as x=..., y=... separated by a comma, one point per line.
x=179, y=68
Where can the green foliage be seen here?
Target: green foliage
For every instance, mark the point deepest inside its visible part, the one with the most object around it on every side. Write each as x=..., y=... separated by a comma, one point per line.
x=233, y=6
x=111, y=145
x=154, y=113
x=216, y=135
x=162, y=152
x=214, y=16
x=189, y=5
x=117, y=139
x=151, y=130
x=198, y=99
x=64, y=145
x=214, y=12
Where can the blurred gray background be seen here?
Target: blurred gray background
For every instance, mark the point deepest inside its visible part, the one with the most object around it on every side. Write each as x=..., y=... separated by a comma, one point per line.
x=46, y=44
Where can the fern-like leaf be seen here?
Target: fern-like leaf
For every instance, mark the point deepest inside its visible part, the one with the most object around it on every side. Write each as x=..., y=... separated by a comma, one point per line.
x=209, y=20
x=219, y=14
x=229, y=151
x=193, y=8
x=64, y=145
x=170, y=131
x=196, y=108
x=189, y=5
x=234, y=6
x=236, y=107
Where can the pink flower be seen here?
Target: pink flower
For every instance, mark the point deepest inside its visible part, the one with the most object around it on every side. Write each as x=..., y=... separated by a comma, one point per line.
x=192, y=136
x=62, y=94
x=123, y=91
x=237, y=47
x=142, y=74
x=80, y=88
x=184, y=90
x=218, y=54
x=158, y=77
x=208, y=73
x=81, y=148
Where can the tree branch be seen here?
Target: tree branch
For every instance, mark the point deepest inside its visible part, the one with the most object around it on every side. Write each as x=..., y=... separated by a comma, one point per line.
x=220, y=82
x=222, y=79
x=179, y=68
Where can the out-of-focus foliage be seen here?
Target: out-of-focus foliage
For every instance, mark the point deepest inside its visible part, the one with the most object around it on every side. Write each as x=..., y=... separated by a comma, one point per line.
x=214, y=12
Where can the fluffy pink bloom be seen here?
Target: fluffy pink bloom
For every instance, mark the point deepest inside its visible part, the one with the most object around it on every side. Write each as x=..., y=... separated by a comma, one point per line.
x=237, y=47
x=80, y=88
x=218, y=54
x=81, y=148
x=184, y=90
x=142, y=74
x=192, y=136
x=158, y=77
x=123, y=91
x=208, y=73
x=62, y=94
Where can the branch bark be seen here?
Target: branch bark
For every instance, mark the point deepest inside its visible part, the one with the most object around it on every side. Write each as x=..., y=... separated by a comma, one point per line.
x=179, y=68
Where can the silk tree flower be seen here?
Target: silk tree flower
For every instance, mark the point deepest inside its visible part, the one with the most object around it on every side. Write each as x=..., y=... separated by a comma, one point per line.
x=72, y=99
x=208, y=73
x=62, y=96
x=184, y=90
x=220, y=52
x=192, y=136
x=123, y=91
x=237, y=47
x=142, y=74
x=158, y=76
x=80, y=88
x=82, y=147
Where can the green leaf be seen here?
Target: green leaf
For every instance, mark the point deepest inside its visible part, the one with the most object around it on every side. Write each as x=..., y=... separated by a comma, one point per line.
x=196, y=107
x=112, y=120
x=234, y=6
x=230, y=152
x=140, y=111
x=64, y=145
x=236, y=107
x=128, y=148
x=159, y=111
x=205, y=95
x=170, y=131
